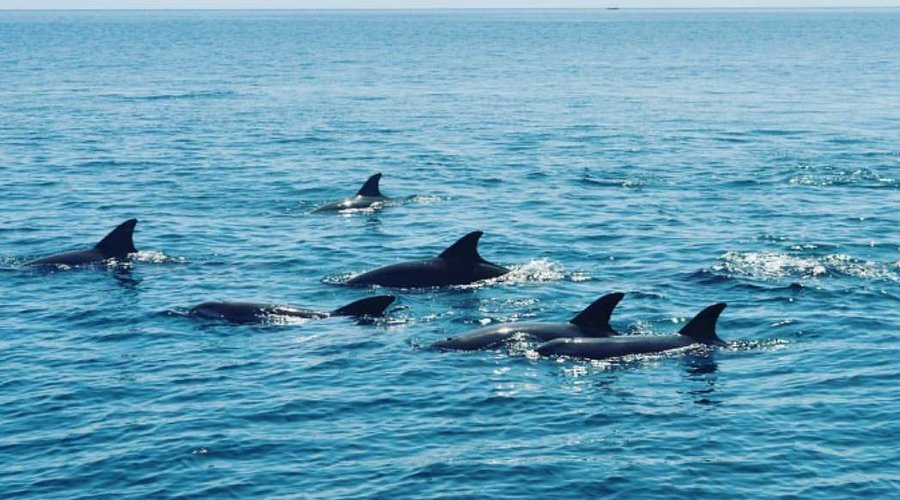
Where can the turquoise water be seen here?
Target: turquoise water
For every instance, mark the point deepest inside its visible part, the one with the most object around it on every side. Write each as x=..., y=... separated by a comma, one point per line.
x=682, y=157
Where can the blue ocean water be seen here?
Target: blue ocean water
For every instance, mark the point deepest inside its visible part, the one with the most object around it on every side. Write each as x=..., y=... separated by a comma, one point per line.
x=683, y=157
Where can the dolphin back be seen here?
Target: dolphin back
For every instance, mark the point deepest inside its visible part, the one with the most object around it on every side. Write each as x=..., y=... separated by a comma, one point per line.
x=68, y=259
x=235, y=312
x=117, y=244
x=370, y=306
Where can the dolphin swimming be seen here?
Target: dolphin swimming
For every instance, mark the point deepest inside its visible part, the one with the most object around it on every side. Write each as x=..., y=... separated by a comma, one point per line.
x=459, y=264
x=116, y=245
x=247, y=312
x=700, y=330
x=368, y=196
x=592, y=322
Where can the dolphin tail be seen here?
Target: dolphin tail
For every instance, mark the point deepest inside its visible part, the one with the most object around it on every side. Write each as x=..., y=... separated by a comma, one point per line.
x=119, y=242
x=370, y=306
x=370, y=188
x=597, y=314
x=702, y=327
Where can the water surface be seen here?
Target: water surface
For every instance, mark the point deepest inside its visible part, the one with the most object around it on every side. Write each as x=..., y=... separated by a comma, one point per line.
x=683, y=157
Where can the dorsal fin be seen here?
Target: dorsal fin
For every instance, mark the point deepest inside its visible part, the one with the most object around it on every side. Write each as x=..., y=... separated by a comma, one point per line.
x=465, y=249
x=370, y=188
x=119, y=242
x=597, y=314
x=369, y=306
x=702, y=327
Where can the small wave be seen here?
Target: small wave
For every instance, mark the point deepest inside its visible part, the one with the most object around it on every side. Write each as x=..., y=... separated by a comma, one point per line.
x=156, y=257
x=775, y=265
x=426, y=199
x=640, y=327
x=307, y=139
x=851, y=266
x=777, y=132
x=769, y=265
x=369, y=210
x=830, y=176
x=731, y=139
x=583, y=366
x=708, y=277
x=283, y=320
x=750, y=345
x=536, y=271
x=338, y=278
x=114, y=163
x=623, y=183
x=161, y=96
x=10, y=263
x=812, y=247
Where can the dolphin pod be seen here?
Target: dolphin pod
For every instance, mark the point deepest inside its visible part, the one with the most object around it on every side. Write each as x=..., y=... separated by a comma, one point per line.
x=587, y=335
x=592, y=322
x=368, y=196
x=459, y=264
x=248, y=312
x=116, y=245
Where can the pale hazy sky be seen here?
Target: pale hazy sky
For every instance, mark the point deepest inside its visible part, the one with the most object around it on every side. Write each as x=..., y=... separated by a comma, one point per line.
x=406, y=4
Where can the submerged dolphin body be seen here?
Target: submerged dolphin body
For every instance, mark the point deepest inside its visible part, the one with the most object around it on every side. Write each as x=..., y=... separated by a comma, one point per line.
x=116, y=245
x=592, y=322
x=368, y=196
x=247, y=312
x=459, y=264
x=700, y=330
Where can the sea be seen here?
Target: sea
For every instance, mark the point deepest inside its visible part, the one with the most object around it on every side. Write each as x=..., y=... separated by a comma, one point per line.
x=683, y=157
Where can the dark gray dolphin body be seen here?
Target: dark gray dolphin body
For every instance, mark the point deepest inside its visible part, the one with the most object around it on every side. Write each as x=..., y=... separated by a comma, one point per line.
x=592, y=322
x=116, y=245
x=368, y=196
x=247, y=312
x=700, y=330
x=459, y=264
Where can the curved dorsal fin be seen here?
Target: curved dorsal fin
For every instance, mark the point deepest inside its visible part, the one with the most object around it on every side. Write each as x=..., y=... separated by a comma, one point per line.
x=597, y=314
x=702, y=327
x=369, y=306
x=119, y=242
x=465, y=249
x=370, y=188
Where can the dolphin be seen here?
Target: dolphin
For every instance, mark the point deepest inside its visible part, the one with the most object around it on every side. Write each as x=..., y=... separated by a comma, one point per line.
x=700, y=330
x=116, y=245
x=459, y=264
x=247, y=312
x=368, y=196
x=592, y=322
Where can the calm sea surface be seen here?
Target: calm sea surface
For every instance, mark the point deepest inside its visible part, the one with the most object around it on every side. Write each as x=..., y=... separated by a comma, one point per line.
x=682, y=157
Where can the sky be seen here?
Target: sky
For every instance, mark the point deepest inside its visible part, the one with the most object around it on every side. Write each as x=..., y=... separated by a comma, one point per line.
x=407, y=4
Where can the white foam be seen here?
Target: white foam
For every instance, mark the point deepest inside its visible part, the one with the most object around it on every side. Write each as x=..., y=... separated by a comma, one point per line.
x=772, y=265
